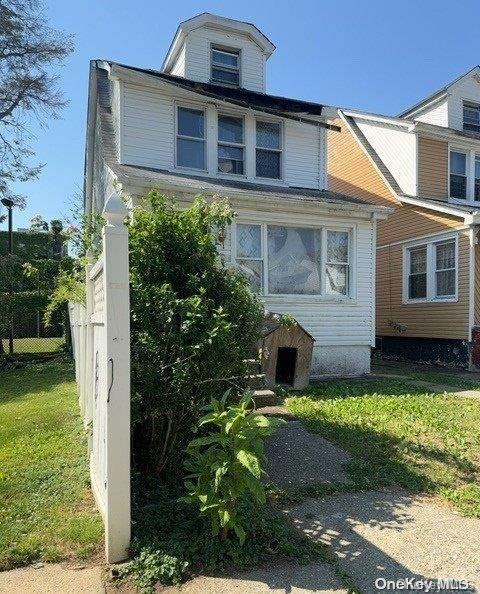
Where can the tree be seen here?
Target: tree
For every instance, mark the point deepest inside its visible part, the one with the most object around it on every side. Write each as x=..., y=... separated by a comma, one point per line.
x=29, y=50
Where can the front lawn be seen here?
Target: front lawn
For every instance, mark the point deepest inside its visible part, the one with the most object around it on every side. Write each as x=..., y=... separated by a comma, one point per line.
x=35, y=345
x=46, y=507
x=399, y=435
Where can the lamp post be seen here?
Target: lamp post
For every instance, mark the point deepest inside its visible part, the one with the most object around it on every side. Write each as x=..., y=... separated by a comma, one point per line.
x=8, y=203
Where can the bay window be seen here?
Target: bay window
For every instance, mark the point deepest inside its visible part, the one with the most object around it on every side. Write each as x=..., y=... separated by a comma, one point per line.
x=292, y=260
x=431, y=271
x=190, y=138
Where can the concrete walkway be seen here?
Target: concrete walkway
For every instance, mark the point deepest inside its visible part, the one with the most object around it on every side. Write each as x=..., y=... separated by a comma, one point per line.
x=52, y=578
x=393, y=535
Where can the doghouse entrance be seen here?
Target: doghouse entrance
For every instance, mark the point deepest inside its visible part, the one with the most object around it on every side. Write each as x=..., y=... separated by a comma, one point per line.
x=286, y=363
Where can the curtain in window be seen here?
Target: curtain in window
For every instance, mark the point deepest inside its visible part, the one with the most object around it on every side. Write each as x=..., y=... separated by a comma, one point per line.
x=293, y=260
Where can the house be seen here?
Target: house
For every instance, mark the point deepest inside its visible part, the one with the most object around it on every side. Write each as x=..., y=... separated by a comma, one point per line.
x=426, y=164
x=204, y=123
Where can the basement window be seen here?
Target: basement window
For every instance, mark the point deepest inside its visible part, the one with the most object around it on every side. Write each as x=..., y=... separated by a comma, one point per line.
x=225, y=66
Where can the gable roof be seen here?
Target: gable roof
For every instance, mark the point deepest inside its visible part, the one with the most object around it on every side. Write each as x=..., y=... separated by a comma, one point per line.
x=437, y=95
x=214, y=20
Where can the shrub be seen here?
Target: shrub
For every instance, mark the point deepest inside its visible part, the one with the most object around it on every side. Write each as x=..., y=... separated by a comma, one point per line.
x=193, y=323
x=226, y=463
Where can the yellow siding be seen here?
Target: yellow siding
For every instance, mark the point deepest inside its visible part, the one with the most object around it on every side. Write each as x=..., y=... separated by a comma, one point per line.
x=432, y=168
x=428, y=320
x=351, y=172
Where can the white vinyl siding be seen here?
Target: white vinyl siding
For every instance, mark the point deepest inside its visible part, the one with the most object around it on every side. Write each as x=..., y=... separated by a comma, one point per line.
x=437, y=114
x=179, y=66
x=465, y=90
x=197, y=65
x=148, y=136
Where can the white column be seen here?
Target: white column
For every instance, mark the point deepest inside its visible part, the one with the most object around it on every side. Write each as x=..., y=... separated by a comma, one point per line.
x=117, y=395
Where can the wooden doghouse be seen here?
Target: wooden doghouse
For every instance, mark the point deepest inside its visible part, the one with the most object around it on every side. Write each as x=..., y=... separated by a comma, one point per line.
x=286, y=354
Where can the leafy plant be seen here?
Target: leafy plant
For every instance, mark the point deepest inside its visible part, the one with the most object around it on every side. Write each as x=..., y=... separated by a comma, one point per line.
x=225, y=464
x=194, y=322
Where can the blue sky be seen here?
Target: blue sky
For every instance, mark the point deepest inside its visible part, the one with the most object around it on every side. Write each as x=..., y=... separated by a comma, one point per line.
x=375, y=55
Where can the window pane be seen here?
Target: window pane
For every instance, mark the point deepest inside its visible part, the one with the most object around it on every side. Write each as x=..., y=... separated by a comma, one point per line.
x=190, y=122
x=293, y=260
x=471, y=117
x=445, y=283
x=458, y=163
x=418, y=260
x=477, y=177
x=445, y=255
x=337, y=246
x=249, y=241
x=337, y=279
x=458, y=186
x=230, y=129
x=417, y=286
x=477, y=190
x=252, y=270
x=190, y=153
x=268, y=135
x=223, y=58
x=268, y=164
x=225, y=76
x=230, y=159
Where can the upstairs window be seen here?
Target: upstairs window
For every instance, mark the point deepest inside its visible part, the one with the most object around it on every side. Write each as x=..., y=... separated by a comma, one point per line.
x=268, y=152
x=431, y=271
x=231, y=150
x=190, y=138
x=476, y=195
x=225, y=66
x=471, y=116
x=458, y=175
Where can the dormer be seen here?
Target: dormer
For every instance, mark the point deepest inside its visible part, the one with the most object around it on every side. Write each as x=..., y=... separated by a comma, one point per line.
x=457, y=105
x=213, y=49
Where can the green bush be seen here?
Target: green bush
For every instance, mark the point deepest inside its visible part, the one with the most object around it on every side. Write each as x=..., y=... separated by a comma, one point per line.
x=225, y=464
x=193, y=323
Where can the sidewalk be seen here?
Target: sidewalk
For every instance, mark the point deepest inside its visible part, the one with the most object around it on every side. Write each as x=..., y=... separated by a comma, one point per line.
x=52, y=579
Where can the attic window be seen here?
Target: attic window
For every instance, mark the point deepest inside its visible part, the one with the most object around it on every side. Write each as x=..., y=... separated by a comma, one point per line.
x=471, y=116
x=225, y=66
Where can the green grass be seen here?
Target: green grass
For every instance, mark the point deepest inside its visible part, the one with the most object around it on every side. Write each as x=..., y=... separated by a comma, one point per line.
x=35, y=345
x=433, y=376
x=46, y=508
x=399, y=435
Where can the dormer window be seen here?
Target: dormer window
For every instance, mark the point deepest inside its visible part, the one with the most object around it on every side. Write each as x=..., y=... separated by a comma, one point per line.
x=225, y=66
x=471, y=116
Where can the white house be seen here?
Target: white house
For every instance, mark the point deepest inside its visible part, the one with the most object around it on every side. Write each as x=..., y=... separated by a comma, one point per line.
x=204, y=123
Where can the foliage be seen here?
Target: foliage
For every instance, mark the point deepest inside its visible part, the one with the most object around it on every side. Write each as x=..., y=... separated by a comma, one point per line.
x=225, y=463
x=424, y=442
x=194, y=322
x=29, y=49
x=173, y=536
x=47, y=511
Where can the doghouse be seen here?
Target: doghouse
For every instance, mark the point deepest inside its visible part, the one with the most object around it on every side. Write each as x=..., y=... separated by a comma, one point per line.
x=286, y=354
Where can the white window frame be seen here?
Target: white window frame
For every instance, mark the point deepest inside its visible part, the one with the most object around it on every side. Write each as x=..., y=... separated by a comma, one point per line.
x=226, y=50
x=273, y=150
x=472, y=105
x=196, y=107
x=323, y=228
x=234, y=144
x=471, y=155
x=431, y=269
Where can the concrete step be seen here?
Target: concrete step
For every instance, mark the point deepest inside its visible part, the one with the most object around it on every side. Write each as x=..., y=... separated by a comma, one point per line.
x=264, y=398
x=255, y=381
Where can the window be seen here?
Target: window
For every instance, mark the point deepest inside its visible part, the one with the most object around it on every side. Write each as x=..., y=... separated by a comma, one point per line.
x=445, y=269
x=225, y=66
x=294, y=263
x=289, y=260
x=471, y=116
x=337, y=262
x=431, y=271
x=249, y=257
x=230, y=145
x=268, y=149
x=190, y=138
x=476, y=195
x=458, y=175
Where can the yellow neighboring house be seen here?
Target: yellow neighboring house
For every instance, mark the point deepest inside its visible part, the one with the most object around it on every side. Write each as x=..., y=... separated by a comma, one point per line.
x=426, y=164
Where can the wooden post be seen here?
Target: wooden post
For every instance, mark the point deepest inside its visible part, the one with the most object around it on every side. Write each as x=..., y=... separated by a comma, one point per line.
x=117, y=358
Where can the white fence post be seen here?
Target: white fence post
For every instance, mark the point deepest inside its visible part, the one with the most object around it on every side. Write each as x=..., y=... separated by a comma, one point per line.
x=117, y=356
